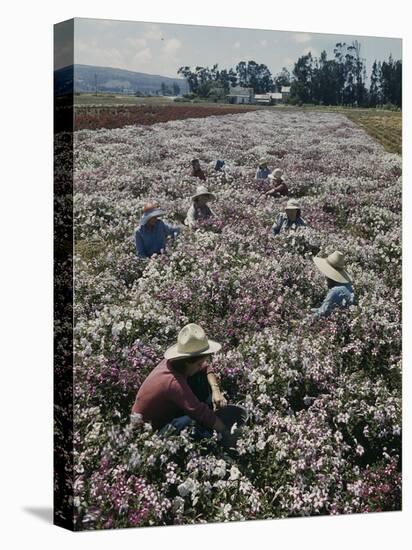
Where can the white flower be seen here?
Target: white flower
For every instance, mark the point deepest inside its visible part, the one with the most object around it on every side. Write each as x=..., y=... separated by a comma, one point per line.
x=234, y=473
x=220, y=469
x=135, y=460
x=186, y=487
x=136, y=419
x=117, y=328
x=226, y=509
x=359, y=450
x=260, y=445
x=178, y=505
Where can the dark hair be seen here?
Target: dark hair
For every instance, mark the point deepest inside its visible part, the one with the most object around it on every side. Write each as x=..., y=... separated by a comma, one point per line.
x=196, y=199
x=179, y=365
x=332, y=283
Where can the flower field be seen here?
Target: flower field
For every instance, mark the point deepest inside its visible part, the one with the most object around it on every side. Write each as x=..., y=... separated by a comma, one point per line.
x=324, y=397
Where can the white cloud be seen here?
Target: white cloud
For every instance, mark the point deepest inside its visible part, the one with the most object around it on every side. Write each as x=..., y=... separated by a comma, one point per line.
x=263, y=43
x=302, y=37
x=236, y=45
x=113, y=56
x=144, y=56
x=136, y=43
x=153, y=33
x=171, y=46
x=93, y=54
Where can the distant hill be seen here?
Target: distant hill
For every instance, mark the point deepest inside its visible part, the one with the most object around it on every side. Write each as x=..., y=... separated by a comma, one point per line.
x=87, y=77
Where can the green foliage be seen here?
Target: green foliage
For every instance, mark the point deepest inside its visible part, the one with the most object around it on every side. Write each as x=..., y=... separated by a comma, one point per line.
x=319, y=81
x=204, y=81
x=341, y=81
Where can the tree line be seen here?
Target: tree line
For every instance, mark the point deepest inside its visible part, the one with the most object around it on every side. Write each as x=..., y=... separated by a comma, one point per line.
x=340, y=80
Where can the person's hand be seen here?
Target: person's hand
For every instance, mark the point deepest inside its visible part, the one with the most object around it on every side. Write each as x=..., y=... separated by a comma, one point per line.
x=218, y=399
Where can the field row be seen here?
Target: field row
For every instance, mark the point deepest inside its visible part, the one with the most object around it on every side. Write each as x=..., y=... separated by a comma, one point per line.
x=384, y=126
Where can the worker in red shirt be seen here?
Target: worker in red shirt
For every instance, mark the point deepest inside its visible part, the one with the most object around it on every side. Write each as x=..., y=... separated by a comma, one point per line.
x=176, y=394
x=197, y=172
x=279, y=186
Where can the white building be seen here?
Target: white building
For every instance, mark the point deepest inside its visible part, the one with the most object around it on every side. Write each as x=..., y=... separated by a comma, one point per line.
x=241, y=95
x=268, y=99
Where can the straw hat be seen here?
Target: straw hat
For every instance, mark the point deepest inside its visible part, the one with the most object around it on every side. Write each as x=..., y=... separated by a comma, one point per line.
x=202, y=190
x=292, y=204
x=150, y=210
x=333, y=267
x=192, y=342
x=276, y=174
x=262, y=161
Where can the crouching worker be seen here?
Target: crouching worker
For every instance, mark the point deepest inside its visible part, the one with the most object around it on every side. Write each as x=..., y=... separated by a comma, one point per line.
x=279, y=186
x=341, y=293
x=181, y=390
x=199, y=209
x=291, y=219
x=197, y=172
x=151, y=235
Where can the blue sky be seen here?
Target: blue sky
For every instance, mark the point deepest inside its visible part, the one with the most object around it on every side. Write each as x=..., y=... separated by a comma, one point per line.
x=160, y=48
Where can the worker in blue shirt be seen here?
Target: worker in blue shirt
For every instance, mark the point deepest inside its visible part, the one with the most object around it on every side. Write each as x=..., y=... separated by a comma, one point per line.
x=152, y=233
x=291, y=219
x=263, y=171
x=341, y=293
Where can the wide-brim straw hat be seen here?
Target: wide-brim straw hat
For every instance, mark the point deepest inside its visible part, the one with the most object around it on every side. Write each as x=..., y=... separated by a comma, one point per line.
x=333, y=267
x=292, y=204
x=155, y=213
x=203, y=191
x=262, y=161
x=277, y=174
x=192, y=342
